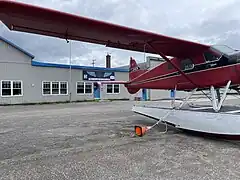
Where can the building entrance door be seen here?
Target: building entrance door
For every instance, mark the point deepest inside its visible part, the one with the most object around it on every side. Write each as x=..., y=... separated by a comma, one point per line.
x=144, y=94
x=96, y=91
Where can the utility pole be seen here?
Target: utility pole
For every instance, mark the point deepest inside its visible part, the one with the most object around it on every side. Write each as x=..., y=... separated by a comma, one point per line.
x=70, y=71
x=93, y=62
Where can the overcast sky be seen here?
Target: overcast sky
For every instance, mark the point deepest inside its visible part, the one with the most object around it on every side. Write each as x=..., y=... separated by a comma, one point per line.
x=205, y=21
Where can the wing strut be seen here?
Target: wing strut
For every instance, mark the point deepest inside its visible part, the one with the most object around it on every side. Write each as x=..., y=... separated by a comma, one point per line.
x=66, y=36
x=168, y=60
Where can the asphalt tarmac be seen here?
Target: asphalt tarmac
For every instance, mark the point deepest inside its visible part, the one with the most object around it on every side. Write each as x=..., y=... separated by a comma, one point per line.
x=95, y=141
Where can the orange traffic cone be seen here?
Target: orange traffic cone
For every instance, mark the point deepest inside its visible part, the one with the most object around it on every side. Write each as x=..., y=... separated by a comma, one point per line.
x=140, y=131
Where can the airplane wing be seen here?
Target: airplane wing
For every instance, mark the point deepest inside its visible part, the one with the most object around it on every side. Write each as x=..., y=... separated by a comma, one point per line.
x=33, y=19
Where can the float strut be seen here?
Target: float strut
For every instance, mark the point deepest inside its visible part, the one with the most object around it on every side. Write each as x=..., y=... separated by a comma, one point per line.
x=217, y=105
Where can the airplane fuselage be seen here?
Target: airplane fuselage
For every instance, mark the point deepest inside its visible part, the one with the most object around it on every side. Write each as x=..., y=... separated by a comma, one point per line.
x=212, y=69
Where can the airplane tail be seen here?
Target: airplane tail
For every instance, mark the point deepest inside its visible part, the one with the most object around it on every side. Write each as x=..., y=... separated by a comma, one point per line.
x=134, y=70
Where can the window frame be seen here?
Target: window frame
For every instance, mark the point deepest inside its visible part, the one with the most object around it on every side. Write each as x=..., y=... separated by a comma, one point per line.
x=84, y=88
x=55, y=82
x=59, y=88
x=11, y=88
x=50, y=88
x=181, y=64
x=206, y=61
x=113, y=88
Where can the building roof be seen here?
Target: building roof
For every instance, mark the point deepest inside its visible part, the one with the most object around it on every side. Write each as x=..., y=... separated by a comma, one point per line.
x=44, y=64
x=67, y=66
x=17, y=47
x=145, y=65
x=141, y=65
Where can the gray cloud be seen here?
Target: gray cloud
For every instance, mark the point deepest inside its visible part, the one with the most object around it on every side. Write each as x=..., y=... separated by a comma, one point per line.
x=211, y=22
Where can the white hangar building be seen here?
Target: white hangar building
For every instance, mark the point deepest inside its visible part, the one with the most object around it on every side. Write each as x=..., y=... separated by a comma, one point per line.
x=25, y=80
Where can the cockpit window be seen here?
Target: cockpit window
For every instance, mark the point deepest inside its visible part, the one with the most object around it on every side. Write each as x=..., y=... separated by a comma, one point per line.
x=187, y=64
x=209, y=57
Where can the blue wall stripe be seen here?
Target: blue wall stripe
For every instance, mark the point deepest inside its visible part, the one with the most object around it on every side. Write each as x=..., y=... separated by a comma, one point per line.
x=66, y=66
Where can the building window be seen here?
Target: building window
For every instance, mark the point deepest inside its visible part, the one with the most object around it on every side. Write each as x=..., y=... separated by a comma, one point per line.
x=17, y=88
x=80, y=88
x=113, y=88
x=88, y=88
x=6, y=88
x=11, y=88
x=54, y=88
x=63, y=88
x=116, y=88
x=84, y=88
x=46, y=88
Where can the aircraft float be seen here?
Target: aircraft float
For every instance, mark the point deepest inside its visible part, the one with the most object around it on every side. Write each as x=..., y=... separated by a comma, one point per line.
x=193, y=66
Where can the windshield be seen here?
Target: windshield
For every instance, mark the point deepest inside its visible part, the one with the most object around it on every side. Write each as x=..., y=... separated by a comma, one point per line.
x=224, y=49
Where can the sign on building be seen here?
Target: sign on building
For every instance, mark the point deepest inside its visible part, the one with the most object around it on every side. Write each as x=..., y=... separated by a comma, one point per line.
x=98, y=76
